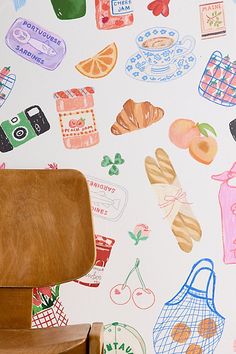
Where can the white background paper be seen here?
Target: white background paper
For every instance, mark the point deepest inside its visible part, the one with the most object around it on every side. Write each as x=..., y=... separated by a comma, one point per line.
x=163, y=266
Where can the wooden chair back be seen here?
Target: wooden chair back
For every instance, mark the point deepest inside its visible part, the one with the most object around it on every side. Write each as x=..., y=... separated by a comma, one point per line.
x=46, y=236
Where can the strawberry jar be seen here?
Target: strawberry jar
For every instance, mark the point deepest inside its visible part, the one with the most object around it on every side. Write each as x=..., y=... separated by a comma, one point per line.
x=77, y=118
x=103, y=247
x=111, y=14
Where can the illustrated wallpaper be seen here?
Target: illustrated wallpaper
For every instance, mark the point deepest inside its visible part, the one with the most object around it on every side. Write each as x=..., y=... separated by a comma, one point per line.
x=140, y=96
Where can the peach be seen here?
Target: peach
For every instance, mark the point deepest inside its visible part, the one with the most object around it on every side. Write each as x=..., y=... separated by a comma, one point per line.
x=182, y=132
x=203, y=149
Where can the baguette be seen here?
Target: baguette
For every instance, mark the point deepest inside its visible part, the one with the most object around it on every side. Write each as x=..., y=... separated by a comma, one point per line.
x=154, y=173
x=184, y=227
x=165, y=165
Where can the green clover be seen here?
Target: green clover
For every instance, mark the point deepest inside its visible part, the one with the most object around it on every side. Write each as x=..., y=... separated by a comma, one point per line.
x=118, y=159
x=107, y=161
x=114, y=170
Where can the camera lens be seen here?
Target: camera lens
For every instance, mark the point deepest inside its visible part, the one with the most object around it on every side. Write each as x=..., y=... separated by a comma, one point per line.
x=37, y=127
x=20, y=133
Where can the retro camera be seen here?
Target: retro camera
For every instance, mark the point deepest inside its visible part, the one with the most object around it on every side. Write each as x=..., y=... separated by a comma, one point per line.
x=22, y=128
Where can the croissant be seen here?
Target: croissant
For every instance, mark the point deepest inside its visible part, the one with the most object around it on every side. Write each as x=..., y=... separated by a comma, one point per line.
x=136, y=116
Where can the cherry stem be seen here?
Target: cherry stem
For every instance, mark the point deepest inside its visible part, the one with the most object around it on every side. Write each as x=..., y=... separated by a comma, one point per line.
x=135, y=268
x=140, y=278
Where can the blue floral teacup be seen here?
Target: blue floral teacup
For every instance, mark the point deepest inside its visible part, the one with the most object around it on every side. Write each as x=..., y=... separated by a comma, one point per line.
x=161, y=46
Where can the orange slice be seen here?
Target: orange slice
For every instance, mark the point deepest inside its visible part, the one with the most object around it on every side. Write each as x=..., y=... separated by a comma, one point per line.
x=101, y=64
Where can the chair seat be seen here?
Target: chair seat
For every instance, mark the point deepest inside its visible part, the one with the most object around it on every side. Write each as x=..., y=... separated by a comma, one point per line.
x=45, y=341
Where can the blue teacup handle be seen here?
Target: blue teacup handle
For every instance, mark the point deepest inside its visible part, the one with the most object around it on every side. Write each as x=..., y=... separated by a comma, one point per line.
x=181, y=45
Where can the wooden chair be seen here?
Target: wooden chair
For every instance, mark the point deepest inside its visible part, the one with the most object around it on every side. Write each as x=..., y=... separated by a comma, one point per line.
x=46, y=238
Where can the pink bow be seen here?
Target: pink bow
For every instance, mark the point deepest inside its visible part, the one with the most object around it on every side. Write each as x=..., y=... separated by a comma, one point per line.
x=180, y=197
x=227, y=175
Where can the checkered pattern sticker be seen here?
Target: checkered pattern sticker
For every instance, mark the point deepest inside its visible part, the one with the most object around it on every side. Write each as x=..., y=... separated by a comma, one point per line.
x=218, y=82
x=52, y=317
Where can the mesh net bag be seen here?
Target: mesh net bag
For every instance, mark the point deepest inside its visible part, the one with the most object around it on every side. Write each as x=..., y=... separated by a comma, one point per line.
x=218, y=82
x=189, y=323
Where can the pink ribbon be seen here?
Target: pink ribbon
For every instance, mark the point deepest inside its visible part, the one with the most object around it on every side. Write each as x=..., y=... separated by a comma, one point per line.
x=227, y=175
x=170, y=200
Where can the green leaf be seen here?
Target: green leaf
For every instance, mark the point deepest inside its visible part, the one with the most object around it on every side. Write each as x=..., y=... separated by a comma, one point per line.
x=53, y=298
x=114, y=170
x=57, y=288
x=204, y=127
x=204, y=132
x=228, y=67
x=36, y=309
x=143, y=238
x=44, y=306
x=132, y=235
x=51, y=302
x=118, y=159
x=139, y=234
x=106, y=161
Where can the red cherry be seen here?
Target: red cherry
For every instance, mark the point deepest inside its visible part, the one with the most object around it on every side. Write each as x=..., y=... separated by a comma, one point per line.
x=105, y=19
x=143, y=298
x=120, y=294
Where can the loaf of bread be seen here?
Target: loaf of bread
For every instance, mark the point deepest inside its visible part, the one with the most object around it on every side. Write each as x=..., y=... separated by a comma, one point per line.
x=185, y=230
x=136, y=116
x=165, y=165
x=185, y=227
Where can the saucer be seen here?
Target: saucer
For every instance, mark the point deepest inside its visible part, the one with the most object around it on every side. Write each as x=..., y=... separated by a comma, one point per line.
x=137, y=68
